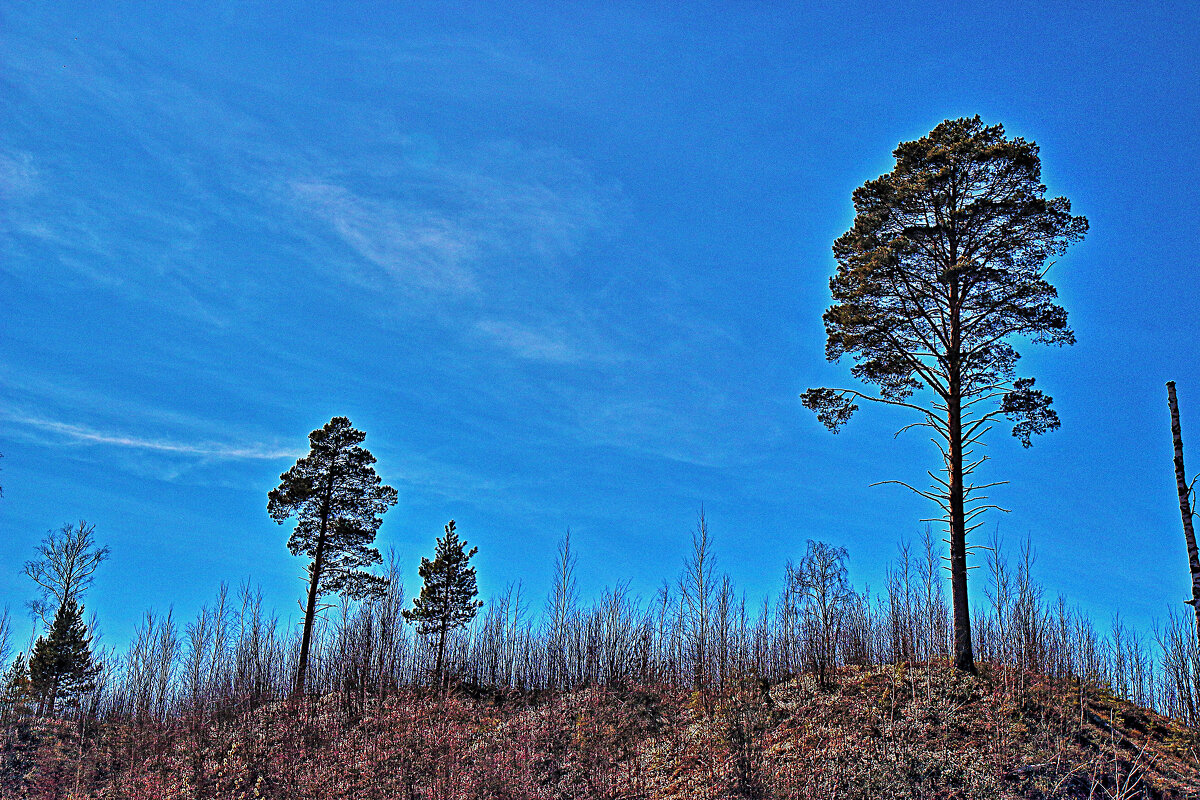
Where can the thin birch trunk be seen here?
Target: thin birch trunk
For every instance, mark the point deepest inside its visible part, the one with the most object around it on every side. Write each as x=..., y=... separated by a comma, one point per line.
x=1185, y=504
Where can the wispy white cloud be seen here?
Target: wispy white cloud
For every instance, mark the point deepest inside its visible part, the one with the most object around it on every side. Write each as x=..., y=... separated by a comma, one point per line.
x=18, y=176
x=527, y=343
x=454, y=223
x=493, y=249
x=410, y=216
x=419, y=247
x=83, y=435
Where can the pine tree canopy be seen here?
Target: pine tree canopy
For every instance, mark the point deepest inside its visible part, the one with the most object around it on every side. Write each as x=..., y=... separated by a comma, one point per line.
x=447, y=600
x=946, y=264
x=335, y=490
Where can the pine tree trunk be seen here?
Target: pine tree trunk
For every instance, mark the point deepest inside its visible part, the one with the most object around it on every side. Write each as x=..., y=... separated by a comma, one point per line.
x=52, y=696
x=964, y=654
x=1185, y=504
x=441, y=654
x=445, y=626
x=310, y=610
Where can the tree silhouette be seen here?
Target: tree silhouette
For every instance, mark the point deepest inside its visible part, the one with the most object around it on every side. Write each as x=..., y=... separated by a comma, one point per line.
x=946, y=264
x=67, y=560
x=1187, y=504
x=447, y=600
x=60, y=664
x=16, y=689
x=338, y=501
x=820, y=585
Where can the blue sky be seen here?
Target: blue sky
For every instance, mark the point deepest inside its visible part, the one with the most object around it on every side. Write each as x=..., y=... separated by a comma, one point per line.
x=565, y=265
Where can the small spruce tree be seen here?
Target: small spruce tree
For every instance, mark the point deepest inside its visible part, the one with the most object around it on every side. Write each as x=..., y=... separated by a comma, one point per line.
x=16, y=691
x=61, y=665
x=447, y=600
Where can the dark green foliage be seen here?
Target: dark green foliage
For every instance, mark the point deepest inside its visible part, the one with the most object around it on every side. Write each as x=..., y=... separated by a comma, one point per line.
x=959, y=232
x=336, y=497
x=347, y=551
x=16, y=688
x=338, y=502
x=1030, y=408
x=945, y=262
x=448, y=593
x=944, y=267
x=61, y=665
x=447, y=600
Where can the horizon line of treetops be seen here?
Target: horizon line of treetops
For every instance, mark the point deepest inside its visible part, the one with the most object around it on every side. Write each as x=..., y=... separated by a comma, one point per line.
x=942, y=270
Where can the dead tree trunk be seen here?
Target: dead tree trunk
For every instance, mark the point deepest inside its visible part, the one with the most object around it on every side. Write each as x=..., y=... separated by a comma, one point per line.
x=1186, y=508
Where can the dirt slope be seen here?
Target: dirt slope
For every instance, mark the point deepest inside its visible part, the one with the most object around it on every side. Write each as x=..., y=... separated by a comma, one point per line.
x=881, y=732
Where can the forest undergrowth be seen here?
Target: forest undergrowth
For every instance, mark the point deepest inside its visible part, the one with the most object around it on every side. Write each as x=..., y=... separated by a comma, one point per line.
x=898, y=731
x=823, y=691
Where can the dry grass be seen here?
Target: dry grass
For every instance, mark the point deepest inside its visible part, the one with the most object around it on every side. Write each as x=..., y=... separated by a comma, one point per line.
x=878, y=732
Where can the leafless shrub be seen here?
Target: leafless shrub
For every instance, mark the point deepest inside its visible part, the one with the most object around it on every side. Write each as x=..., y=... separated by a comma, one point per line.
x=1180, y=687
x=696, y=592
x=697, y=632
x=823, y=597
x=147, y=687
x=64, y=567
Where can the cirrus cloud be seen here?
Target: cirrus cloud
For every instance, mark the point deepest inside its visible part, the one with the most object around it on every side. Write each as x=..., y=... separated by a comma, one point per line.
x=71, y=433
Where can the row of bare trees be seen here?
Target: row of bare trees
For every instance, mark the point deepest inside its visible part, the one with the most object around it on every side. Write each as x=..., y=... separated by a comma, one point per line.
x=698, y=632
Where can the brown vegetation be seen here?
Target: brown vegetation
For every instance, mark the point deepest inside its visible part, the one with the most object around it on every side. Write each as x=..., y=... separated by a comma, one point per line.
x=824, y=691
x=880, y=732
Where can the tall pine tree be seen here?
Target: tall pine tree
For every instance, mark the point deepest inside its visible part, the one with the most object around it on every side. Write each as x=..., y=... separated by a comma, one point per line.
x=944, y=269
x=61, y=666
x=447, y=600
x=338, y=501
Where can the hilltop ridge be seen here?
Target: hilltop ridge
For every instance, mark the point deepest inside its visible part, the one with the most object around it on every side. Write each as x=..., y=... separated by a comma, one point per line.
x=896, y=731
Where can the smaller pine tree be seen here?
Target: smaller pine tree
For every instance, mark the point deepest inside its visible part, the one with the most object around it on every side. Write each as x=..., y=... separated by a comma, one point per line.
x=61, y=665
x=447, y=600
x=16, y=691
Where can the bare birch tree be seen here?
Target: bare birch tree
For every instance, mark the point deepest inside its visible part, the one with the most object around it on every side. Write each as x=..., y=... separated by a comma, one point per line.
x=1187, y=504
x=67, y=560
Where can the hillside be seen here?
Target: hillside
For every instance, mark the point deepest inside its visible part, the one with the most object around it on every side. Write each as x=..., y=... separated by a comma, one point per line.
x=882, y=732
